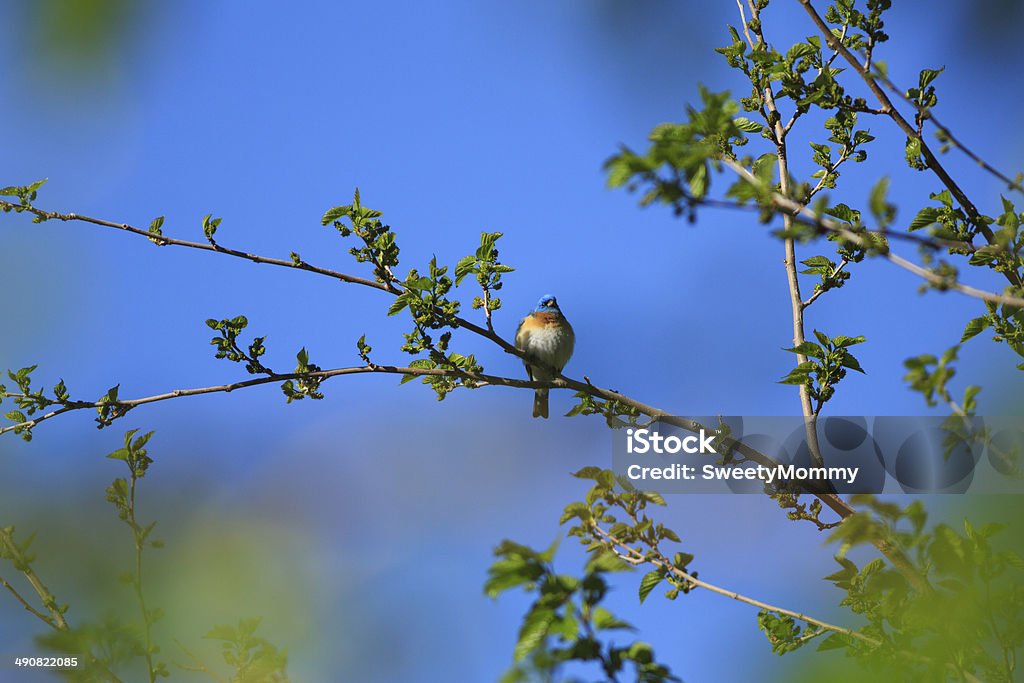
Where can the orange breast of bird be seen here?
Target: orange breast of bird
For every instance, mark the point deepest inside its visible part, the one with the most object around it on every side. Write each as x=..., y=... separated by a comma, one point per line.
x=545, y=319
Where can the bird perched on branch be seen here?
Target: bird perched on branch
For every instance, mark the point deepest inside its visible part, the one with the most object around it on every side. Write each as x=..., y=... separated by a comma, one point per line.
x=547, y=339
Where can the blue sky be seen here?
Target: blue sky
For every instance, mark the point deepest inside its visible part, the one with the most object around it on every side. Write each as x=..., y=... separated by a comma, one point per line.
x=360, y=527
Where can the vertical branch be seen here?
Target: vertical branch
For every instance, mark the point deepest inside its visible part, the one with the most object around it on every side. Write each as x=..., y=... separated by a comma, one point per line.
x=790, y=263
x=774, y=119
x=138, y=536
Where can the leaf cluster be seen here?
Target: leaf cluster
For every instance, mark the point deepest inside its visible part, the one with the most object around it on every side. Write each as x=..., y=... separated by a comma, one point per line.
x=378, y=241
x=567, y=622
x=251, y=657
x=827, y=362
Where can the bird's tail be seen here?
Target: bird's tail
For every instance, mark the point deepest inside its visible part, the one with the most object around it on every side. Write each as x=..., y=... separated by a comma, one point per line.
x=540, y=403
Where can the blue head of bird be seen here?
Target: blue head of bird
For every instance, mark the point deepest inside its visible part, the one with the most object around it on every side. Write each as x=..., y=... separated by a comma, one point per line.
x=547, y=304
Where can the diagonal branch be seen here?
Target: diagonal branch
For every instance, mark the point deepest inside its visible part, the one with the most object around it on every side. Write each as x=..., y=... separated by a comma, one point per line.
x=11, y=550
x=47, y=619
x=806, y=216
x=633, y=556
x=162, y=240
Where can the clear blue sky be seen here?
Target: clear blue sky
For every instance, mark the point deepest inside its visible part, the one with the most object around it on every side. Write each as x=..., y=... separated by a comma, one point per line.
x=360, y=527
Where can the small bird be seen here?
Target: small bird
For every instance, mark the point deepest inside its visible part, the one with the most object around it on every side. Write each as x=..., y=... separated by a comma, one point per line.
x=547, y=339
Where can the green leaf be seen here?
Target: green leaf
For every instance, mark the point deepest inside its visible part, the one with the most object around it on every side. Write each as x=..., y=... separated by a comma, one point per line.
x=808, y=348
x=801, y=374
x=876, y=202
x=970, y=393
x=800, y=50
x=334, y=214
x=681, y=560
x=575, y=510
x=818, y=261
x=533, y=631
x=925, y=217
x=842, y=341
x=604, y=620
x=650, y=582
x=588, y=472
x=975, y=327
x=927, y=76
x=843, y=213
x=400, y=302
x=210, y=226
x=850, y=362
x=464, y=267
x=834, y=641
x=747, y=126
x=607, y=561
x=653, y=497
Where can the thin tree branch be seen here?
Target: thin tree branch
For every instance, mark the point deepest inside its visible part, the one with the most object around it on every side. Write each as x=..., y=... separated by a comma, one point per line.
x=935, y=243
x=634, y=556
x=795, y=300
x=161, y=240
x=929, y=114
x=743, y=23
x=198, y=666
x=804, y=215
x=821, y=290
x=140, y=596
x=48, y=620
x=11, y=550
x=53, y=617
x=127, y=404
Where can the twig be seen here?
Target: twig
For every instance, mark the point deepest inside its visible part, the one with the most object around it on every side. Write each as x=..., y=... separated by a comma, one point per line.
x=818, y=292
x=934, y=243
x=48, y=620
x=743, y=22
x=11, y=550
x=634, y=556
x=198, y=665
x=53, y=617
x=255, y=258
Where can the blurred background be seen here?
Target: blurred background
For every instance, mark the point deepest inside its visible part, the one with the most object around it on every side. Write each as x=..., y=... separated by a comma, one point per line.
x=360, y=527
